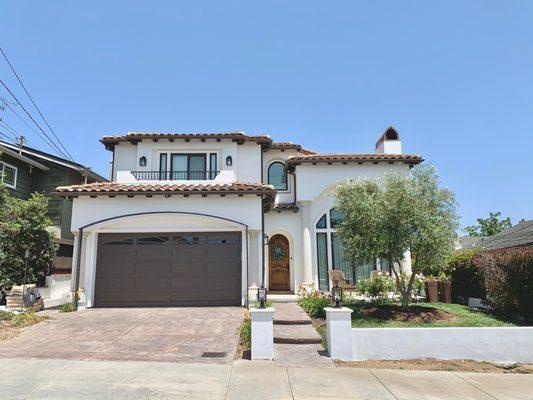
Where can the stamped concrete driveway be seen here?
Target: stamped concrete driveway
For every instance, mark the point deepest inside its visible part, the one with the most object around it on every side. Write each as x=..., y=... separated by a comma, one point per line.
x=147, y=334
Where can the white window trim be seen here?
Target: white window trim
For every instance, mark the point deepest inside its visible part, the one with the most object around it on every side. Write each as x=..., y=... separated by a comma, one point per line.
x=4, y=164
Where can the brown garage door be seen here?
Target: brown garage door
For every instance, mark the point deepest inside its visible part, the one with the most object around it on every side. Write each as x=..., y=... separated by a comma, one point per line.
x=188, y=269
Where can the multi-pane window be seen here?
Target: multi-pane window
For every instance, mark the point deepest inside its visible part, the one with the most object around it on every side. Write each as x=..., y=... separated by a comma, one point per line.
x=8, y=175
x=330, y=252
x=187, y=166
x=277, y=176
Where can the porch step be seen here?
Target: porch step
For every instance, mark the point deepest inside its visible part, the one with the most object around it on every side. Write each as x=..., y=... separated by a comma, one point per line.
x=296, y=334
x=291, y=322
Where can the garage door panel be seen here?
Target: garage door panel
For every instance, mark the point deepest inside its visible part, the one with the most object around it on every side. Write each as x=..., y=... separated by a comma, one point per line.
x=145, y=268
x=143, y=284
x=116, y=270
x=117, y=255
x=122, y=284
x=116, y=297
x=168, y=269
x=188, y=297
x=187, y=283
x=222, y=283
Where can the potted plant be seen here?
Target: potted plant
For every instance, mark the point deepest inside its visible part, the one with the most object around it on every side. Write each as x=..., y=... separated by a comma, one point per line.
x=445, y=288
x=432, y=289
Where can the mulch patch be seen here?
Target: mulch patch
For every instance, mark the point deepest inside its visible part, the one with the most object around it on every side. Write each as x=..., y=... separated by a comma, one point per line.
x=416, y=314
x=431, y=364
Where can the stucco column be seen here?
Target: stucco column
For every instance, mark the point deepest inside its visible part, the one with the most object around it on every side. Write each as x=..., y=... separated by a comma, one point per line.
x=307, y=243
x=74, y=264
x=254, y=268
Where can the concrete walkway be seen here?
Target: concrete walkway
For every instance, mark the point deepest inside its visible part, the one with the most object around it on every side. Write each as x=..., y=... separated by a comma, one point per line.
x=132, y=380
x=296, y=342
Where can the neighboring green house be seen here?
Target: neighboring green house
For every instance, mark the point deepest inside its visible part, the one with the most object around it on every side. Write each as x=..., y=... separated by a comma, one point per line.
x=26, y=170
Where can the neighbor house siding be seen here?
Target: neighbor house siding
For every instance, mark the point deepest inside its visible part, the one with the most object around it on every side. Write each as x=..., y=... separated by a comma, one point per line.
x=23, y=187
x=46, y=182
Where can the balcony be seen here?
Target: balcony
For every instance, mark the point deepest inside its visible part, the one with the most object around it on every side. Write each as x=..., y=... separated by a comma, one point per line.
x=174, y=175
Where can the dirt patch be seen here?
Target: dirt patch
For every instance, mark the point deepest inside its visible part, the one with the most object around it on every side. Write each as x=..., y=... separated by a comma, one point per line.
x=430, y=364
x=7, y=331
x=412, y=314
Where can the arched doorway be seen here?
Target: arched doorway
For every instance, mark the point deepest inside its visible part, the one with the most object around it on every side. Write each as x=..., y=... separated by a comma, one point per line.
x=278, y=261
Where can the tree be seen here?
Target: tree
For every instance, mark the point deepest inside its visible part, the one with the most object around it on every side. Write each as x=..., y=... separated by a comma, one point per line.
x=489, y=226
x=23, y=227
x=388, y=216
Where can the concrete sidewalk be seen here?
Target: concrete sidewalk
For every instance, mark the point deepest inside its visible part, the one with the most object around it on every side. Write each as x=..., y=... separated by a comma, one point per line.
x=68, y=379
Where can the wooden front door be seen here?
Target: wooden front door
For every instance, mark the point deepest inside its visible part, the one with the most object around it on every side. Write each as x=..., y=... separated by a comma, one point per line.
x=278, y=260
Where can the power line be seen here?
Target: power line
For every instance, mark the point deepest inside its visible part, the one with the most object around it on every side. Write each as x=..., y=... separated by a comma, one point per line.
x=31, y=127
x=14, y=139
x=33, y=102
x=9, y=128
x=35, y=122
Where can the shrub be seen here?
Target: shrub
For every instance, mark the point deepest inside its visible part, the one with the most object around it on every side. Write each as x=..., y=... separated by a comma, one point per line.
x=377, y=287
x=467, y=280
x=23, y=226
x=26, y=319
x=314, y=304
x=508, y=278
x=68, y=307
x=6, y=316
x=245, y=331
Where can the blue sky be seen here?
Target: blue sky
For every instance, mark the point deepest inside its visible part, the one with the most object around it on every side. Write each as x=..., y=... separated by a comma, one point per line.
x=454, y=77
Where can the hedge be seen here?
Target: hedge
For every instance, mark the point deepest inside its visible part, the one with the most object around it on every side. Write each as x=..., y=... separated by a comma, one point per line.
x=467, y=280
x=508, y=280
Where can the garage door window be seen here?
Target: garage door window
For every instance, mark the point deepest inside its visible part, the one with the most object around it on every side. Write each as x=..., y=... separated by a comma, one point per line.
x=227, y=239
x=189, y=239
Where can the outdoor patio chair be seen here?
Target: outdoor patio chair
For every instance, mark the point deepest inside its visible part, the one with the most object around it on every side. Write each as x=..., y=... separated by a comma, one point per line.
x=339, y=280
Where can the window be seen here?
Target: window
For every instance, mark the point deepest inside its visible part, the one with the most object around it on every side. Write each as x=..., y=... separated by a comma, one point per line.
x=183, y=166
x=212, y=165
x=277, y=176
x=8, y=175
x=330, y=252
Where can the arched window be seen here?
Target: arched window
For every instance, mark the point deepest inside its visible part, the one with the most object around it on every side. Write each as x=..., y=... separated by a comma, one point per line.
x=330, y=252
x=277, y=176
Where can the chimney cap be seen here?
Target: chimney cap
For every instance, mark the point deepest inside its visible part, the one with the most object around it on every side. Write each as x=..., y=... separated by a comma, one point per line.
x=390, y=134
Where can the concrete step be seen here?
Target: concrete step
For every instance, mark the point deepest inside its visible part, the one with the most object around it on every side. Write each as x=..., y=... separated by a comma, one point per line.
x=292, y=321
x=296, y=334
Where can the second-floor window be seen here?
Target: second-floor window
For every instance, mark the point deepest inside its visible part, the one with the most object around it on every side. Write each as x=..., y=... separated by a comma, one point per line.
x=277, y=176
x=187, y=166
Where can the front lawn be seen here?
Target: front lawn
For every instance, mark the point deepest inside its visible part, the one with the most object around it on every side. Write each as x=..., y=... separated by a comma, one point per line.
x=428, y=315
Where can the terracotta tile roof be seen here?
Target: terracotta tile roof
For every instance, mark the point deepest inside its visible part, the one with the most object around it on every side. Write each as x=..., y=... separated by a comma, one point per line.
x=354, y=157
x=291, y=145
x=285, y=207
x=107, y=188
x=134, y=137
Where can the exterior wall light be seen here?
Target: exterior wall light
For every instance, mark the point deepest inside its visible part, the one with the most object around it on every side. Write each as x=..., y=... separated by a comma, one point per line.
x=229, y=161
x=142, y=161
x=262, y=297
x=337, y=296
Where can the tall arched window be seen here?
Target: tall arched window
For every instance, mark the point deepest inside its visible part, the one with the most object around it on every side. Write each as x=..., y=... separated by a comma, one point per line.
x=277, y=176
x=330, y=253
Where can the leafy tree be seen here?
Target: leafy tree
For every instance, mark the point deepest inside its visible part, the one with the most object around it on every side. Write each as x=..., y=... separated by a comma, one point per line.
x=489, y=226
x=23, y=227
x=386, y=217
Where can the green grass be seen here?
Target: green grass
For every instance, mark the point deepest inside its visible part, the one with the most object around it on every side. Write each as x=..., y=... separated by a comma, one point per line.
x=465, y=317
x=6, y=315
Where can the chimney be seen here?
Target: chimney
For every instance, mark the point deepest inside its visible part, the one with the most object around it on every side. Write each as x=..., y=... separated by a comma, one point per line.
x=389, y=142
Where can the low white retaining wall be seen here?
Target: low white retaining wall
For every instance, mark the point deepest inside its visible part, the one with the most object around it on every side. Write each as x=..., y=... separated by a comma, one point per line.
x=504, y=344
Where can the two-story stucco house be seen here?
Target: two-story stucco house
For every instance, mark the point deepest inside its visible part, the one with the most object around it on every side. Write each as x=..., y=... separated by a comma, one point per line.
x=196, y=219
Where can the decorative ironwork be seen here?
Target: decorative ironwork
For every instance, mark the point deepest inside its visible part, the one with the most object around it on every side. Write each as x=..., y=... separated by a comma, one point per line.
x=174, y=175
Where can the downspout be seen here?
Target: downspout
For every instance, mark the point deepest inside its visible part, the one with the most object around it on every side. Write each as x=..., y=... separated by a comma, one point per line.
x=78, y=268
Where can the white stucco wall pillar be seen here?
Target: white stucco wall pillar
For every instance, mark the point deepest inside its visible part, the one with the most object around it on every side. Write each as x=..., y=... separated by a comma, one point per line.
x=74, y=263
x=339, y=327
x=262, y=333
x=307, y=243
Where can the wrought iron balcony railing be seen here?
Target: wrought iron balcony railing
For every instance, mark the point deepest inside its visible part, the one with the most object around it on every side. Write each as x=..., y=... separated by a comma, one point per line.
x=174, y=175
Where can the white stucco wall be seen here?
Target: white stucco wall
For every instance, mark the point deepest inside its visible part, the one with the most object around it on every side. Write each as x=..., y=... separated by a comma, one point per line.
x=271, y=156
x=313, y=179
x=244, y=210
x=501, y=344
x=246, y=158
x=288, y=224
